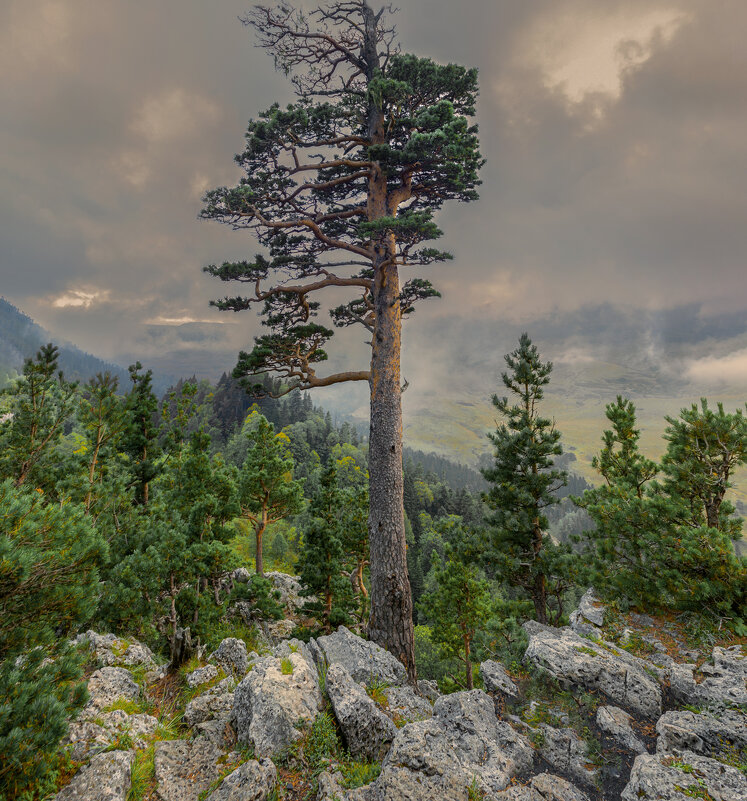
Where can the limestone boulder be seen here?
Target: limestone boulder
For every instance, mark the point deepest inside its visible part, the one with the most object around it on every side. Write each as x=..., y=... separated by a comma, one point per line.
x=108, y=685
x=364, y=660
x=185, y=768
x=497, y=681
x=567, y=753
x=110, y=650
x=574, y=660
x=617, y=724
x=217, y=702
x=275, y=697
x=720, y=735
x=543, y=787
x=201, y=676
x=440, y=758
x=231, y=656
x=366, y=730
x=252, y=781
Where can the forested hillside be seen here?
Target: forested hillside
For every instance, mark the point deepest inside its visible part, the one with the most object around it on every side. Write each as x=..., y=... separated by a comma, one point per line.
x=21, y=338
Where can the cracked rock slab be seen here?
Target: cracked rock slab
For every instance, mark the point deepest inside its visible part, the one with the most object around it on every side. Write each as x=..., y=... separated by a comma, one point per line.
x=107, y=777
x=577, y=661
x=669, y=777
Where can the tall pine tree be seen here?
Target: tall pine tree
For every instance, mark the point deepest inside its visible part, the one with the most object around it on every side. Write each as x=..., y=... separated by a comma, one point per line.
x=341, y=189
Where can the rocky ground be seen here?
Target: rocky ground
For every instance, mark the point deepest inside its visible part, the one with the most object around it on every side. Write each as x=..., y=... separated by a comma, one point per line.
x=608, y=708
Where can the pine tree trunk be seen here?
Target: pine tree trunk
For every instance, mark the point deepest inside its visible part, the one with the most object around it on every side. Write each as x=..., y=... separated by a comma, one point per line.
x=468, y=662
x=258, y=561
x=390, y=623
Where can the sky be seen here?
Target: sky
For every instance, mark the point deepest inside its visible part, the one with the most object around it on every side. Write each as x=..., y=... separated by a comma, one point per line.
x=612, y=224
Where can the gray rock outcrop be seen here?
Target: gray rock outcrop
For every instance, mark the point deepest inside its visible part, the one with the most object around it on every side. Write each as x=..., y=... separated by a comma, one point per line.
x=574, y=660
x=107, y=777
x=363, y=659
x=367, y=731
x=252, y=781
x=665, y=777
x=439, y=758
x=617, y=724
x=720, y=736
x=271, y=700
x=185, y=768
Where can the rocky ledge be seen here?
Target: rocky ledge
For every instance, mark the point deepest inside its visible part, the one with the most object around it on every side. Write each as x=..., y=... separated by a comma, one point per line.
x=655, y=723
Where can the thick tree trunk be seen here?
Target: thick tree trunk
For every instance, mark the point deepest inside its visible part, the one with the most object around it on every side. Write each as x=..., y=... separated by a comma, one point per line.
x=390, y=623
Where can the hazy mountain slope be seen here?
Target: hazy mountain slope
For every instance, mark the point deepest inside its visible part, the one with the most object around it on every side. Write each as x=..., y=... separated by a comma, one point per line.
x=21, y=338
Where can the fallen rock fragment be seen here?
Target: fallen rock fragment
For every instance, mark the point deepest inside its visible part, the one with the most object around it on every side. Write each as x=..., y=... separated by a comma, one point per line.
x=617, y=724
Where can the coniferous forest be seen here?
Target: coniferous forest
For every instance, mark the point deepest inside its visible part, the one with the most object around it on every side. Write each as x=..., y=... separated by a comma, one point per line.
x=222, y=592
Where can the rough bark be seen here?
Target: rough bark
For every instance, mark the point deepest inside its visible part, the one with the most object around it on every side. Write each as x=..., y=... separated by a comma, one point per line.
x=390, y=623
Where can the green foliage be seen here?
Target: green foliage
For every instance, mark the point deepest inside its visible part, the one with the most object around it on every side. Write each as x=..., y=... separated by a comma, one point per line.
x=460, y=603
x=669, y=544
x=358, y=774
x=140, y=441
x=323, y=555
x=40, y=402
x=286, y=667
x=523, y=483
x=48, y=586
x=322, y=743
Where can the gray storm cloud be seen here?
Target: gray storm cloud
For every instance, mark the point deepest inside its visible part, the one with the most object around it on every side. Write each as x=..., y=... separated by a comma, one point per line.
x=615, y=136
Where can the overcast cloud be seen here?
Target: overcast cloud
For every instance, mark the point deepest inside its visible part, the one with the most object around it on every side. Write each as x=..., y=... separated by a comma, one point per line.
x=611, y=220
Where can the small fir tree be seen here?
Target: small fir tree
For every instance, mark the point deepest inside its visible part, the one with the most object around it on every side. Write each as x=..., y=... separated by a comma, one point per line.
x=141, y=433
x=267, y=490
x=523, y=482
x=41, y=402
x=624, y=539
x=322, y=556
x=460, y=604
